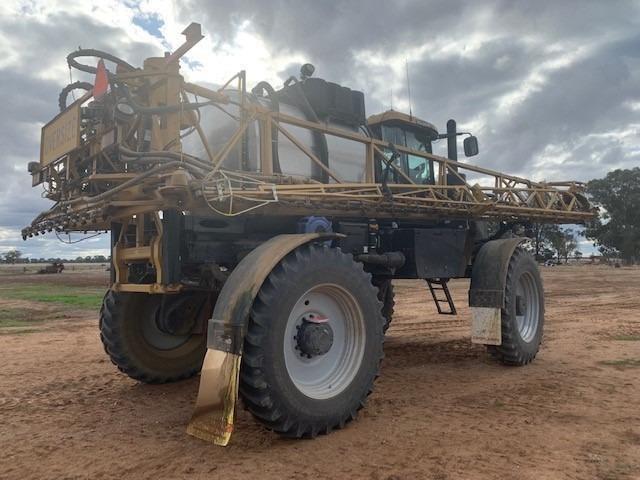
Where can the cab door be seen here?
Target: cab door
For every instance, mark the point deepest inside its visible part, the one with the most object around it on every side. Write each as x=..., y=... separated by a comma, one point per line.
x=418, y=169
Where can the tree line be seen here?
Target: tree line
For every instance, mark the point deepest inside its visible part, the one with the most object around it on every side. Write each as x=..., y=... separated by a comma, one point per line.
x=616, y=231
x=553, y=242
x=14, y=256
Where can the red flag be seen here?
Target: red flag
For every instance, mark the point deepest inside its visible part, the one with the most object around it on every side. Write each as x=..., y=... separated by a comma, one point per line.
x=101, y=83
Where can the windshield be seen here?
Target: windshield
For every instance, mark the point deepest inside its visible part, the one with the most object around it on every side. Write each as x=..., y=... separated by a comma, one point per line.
x=399, y=136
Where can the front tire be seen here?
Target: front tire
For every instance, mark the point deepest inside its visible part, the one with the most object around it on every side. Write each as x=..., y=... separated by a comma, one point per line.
x=523, y=312
x=314, y=343
x=135, y=343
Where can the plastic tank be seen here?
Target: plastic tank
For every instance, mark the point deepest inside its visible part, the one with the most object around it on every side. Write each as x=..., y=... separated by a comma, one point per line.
x=345, y=157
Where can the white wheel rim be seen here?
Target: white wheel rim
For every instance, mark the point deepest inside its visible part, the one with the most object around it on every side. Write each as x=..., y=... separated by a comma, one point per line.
x=528, y=298
x=325, y=376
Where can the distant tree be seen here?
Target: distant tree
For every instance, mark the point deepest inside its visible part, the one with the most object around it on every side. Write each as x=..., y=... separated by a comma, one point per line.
x=564, y=242
x=12, y=256
x=617, y=231
x=540, y=234
x=547, y=254
x=578, y=254
x=79, y=259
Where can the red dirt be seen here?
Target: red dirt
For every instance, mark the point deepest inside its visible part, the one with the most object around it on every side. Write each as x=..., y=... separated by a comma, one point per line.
x=442, y=409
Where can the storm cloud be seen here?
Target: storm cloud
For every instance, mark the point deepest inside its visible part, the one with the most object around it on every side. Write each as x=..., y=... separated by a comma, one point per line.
x=552, y=89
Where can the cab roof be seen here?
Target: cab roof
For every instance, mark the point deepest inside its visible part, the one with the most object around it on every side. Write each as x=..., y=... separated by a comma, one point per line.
x=399, y=119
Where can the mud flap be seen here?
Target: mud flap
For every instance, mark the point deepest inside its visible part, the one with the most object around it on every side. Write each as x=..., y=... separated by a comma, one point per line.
x=486, y=295
x=213, y=416
x=486, y=326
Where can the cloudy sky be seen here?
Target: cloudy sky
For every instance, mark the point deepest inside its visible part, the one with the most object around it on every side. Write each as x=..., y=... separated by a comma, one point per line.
x=551, y=88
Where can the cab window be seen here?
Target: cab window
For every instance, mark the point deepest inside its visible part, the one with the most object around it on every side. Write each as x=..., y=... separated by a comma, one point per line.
x=419, y=169
x=393, y=175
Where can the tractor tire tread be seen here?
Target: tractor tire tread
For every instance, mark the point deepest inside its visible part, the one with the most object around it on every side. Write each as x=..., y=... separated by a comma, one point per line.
x=509, y=352
x=111, y=322
x=254, y=386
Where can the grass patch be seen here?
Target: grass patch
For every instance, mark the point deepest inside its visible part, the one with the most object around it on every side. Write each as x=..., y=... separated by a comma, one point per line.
x=47, y=301
x=18, y=317
x=622, y=363
x=627, y=338
x=88, y=298
x=16, y=321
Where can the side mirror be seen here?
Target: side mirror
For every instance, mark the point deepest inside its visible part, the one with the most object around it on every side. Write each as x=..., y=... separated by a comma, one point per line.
x=470, y=146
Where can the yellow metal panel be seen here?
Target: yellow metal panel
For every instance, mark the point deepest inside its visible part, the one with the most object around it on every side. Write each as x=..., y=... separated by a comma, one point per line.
x=60, y=135
x=135, y=253
x=133, y=287
x=151, y=288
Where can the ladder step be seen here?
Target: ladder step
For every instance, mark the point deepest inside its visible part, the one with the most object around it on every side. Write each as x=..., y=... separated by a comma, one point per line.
x=440, y=285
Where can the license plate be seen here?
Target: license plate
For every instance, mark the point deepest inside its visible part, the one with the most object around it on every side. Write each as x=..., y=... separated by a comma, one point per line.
x=60, y=135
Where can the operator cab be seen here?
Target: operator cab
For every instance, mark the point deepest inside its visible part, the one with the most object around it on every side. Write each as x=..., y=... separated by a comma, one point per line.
x=407, y=131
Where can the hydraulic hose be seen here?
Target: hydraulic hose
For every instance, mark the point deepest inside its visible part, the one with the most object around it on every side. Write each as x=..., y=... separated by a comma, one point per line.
x=62, y=99
x=89, y=52
x=162, y=110
x=389, y=259
x=129, y=183
x=91, y=201
x=182, y=157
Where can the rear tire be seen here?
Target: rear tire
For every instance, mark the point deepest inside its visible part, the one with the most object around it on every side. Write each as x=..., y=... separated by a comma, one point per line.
x=293, y=395
x=523, y=312
x=136, y=345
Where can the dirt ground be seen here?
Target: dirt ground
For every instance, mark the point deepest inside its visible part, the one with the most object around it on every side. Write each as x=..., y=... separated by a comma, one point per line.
x=442, y=409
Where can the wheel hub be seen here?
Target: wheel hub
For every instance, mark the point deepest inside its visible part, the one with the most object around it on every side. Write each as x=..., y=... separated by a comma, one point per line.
x=325, y=360
x=314, y=336
x=177, y=315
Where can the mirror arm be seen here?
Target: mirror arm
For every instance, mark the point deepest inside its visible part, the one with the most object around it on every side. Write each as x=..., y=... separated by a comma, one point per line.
x=442, y=136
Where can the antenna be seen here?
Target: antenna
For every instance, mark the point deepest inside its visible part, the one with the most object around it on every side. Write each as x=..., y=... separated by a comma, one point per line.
x=406, y=62
x=391, y=98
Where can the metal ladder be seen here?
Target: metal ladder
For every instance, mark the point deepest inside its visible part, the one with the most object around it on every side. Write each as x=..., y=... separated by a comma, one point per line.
x=440, y=285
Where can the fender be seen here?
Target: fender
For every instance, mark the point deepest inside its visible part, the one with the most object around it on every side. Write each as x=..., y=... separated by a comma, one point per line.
x=486, y=295
x=489, y=273
x=213, y=416
x=228, y=323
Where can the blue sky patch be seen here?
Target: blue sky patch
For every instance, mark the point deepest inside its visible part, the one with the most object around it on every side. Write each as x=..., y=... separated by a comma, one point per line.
x=150, y=23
